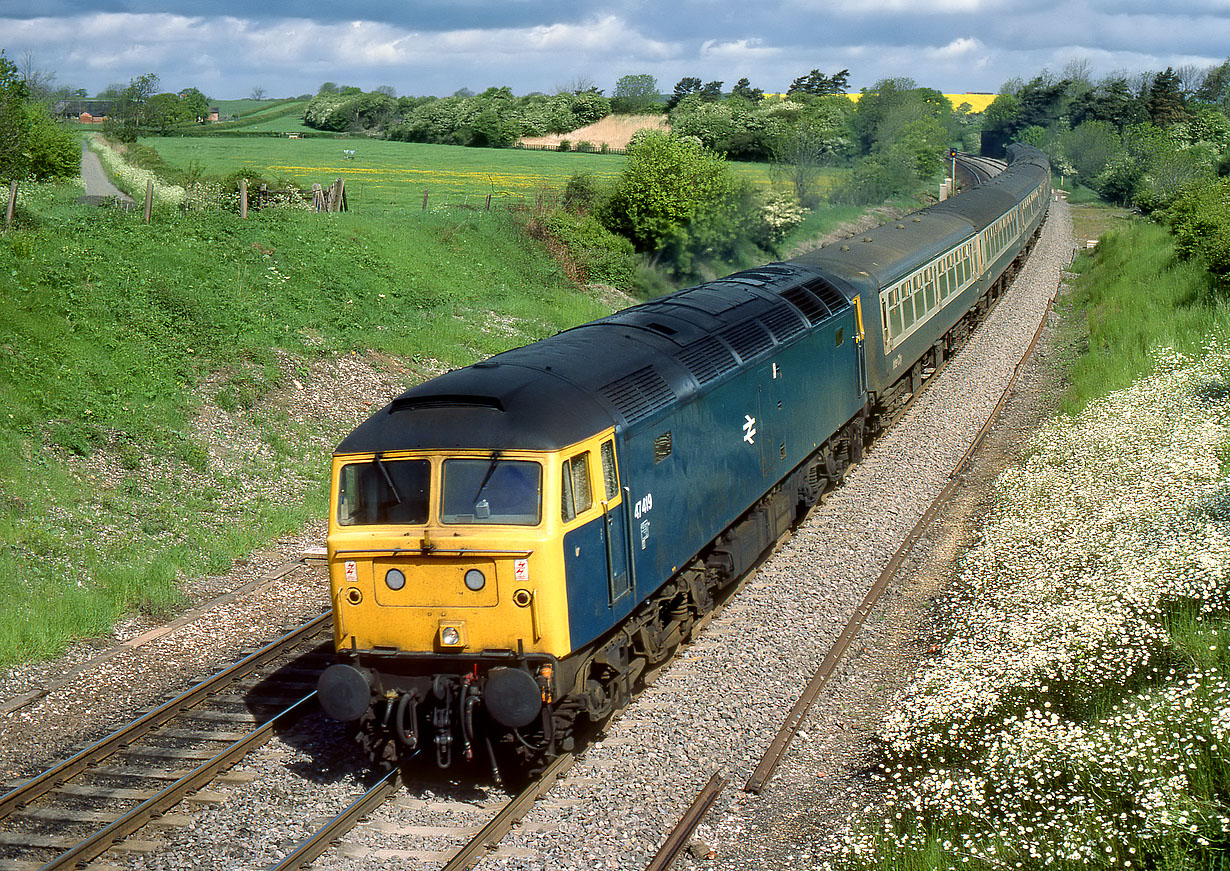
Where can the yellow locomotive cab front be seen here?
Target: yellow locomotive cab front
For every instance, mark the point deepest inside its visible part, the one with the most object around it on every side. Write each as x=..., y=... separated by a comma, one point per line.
x=446, y=553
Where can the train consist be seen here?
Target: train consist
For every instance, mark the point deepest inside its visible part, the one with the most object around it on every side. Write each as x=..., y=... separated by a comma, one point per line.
x=512, y=544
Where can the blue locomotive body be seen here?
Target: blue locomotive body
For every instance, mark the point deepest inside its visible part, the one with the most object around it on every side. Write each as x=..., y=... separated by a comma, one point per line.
x=742, y=387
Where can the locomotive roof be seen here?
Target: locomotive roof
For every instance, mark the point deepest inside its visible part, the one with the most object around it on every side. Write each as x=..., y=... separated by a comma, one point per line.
x=622, y=369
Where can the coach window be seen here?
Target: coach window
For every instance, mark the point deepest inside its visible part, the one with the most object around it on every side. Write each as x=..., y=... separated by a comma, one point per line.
x=576, y=496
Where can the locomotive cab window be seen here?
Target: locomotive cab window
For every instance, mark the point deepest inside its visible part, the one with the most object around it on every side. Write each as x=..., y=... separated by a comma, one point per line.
x=577, y=497
x=383, y=492
x=491, y=490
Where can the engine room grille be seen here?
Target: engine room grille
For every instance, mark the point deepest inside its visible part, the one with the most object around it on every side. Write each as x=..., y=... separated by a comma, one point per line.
x=782, y=323
x=640, y=394
x=832, y=297
x=806, y=302
x=707, y=359
x=748, y=339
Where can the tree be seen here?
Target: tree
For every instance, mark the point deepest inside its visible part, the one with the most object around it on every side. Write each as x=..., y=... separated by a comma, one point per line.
x=128, y=118
x=743, y=90
x=165, y=112
x=1112, y=101
x=196, y=104
x=1165, y=102
x=579, y=85
x=819, y=85
x=891, y=105
x=799, y=156
x=1214, y=88
x=13, y=95
x=667, y=182
x=258, y=93
x=685, y=87
x=711, y=92
x=1090, y=148
x=31, y=144
x=635, y=95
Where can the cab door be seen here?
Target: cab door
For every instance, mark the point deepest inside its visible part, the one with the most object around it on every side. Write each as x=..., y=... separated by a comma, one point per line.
x=615, y=522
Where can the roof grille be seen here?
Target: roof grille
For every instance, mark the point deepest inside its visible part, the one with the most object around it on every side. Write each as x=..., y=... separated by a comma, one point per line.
x=748, y=339
x=761, y=275
x=833, y=298
x=782, y=322
x=806, y=302
x=707, y=359
x=715, y=297
x=640, y=394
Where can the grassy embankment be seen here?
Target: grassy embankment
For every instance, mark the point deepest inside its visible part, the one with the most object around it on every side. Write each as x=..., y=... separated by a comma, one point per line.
x=1078, y=713
x=156, y=378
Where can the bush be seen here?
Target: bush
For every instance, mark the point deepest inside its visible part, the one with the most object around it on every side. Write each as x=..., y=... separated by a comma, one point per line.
x=31, y=144
x=53, y=151
x=1200, y=221
x=777, y=214
x=668, y=182
x=581, y=193
x=593, y=254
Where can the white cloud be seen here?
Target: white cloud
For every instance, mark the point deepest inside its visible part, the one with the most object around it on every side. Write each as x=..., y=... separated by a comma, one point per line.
x=964, y=47
x=738, y=51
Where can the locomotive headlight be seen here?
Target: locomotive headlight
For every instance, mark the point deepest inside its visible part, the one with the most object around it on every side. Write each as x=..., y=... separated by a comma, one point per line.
x=452, y=634
x=395, y=579
x=475, y=580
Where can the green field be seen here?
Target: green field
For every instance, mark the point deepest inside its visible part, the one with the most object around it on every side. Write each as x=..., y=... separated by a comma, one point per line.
x=253, y=109
x=384, y=173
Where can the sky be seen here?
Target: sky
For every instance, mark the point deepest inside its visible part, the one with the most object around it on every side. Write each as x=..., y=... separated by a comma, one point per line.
x=230, y=48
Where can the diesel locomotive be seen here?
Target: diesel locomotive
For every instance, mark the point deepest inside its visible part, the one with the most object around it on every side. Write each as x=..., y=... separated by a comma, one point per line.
x=513, y=544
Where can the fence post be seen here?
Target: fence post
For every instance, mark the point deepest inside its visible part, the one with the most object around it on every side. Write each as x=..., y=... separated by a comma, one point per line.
x=12, y=207
x=149, y=199
x=424, y=199
x=487, y=208
x=243, y=198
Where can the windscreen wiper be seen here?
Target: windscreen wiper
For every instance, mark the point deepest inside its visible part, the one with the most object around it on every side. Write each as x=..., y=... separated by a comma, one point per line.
x=388, y=479
x=495, y=461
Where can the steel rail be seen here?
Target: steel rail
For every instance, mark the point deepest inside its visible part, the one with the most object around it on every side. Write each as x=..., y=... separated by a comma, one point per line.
x=313, y=846
x=41, y=784
x=165, y=799
x=491, y=834
x=677, y=839
x=785, y=734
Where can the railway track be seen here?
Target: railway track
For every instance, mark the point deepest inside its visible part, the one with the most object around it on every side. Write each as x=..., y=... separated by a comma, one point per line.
x=977, y=169
x=100, y=797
